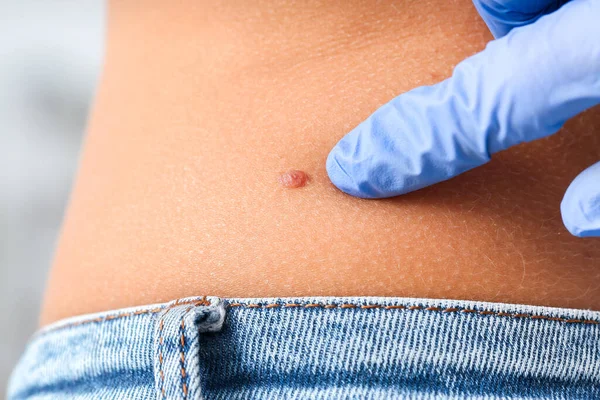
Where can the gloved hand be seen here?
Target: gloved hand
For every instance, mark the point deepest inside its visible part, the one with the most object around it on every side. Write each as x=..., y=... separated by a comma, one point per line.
x=543, y=70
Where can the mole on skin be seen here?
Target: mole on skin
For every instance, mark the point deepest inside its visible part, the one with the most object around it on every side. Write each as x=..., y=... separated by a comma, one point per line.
x=293, y=179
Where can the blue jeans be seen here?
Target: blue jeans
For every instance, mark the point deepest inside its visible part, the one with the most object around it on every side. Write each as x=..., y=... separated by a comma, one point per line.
x=318, y=348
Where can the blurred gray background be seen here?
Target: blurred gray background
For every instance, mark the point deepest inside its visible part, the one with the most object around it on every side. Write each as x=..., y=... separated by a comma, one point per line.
x=50, y=59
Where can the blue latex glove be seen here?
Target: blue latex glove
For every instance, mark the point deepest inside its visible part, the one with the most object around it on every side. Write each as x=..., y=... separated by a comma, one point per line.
x=523, y=86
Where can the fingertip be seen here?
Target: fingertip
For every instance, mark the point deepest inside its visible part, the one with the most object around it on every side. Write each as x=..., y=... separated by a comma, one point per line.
x=337, y=173
x=345, y=172
x=580, y=207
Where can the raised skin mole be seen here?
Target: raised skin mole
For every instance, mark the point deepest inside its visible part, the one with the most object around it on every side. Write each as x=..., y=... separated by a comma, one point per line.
x=293, y=179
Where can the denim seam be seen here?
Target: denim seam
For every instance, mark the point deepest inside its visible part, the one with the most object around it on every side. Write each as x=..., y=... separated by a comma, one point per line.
x=201, y=302
x=183, y=352
x=327, y=306
x=414, y=307
x=182, y=340
x=160, y=357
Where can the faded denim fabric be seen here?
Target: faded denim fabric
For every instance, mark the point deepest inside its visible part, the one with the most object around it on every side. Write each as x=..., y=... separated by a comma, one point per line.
x=316, y=348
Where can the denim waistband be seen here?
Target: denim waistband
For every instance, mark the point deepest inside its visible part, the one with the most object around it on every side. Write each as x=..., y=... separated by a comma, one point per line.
x=316, y=347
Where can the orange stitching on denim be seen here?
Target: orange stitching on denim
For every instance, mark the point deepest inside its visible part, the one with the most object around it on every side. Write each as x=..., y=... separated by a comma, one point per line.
x=415, y=307
x=202, y=302
x=205, y=302
x=182, y=350
x=395, y=308
x=160, y=357
x=450, y=309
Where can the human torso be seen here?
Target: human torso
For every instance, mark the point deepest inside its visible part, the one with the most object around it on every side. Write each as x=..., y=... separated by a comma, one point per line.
x=203, y=104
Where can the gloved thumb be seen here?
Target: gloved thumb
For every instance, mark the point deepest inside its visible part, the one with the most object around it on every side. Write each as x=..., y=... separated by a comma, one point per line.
x=580, y=207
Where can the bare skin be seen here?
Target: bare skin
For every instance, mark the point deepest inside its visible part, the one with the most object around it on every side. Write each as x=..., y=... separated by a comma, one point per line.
x=203, y=105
